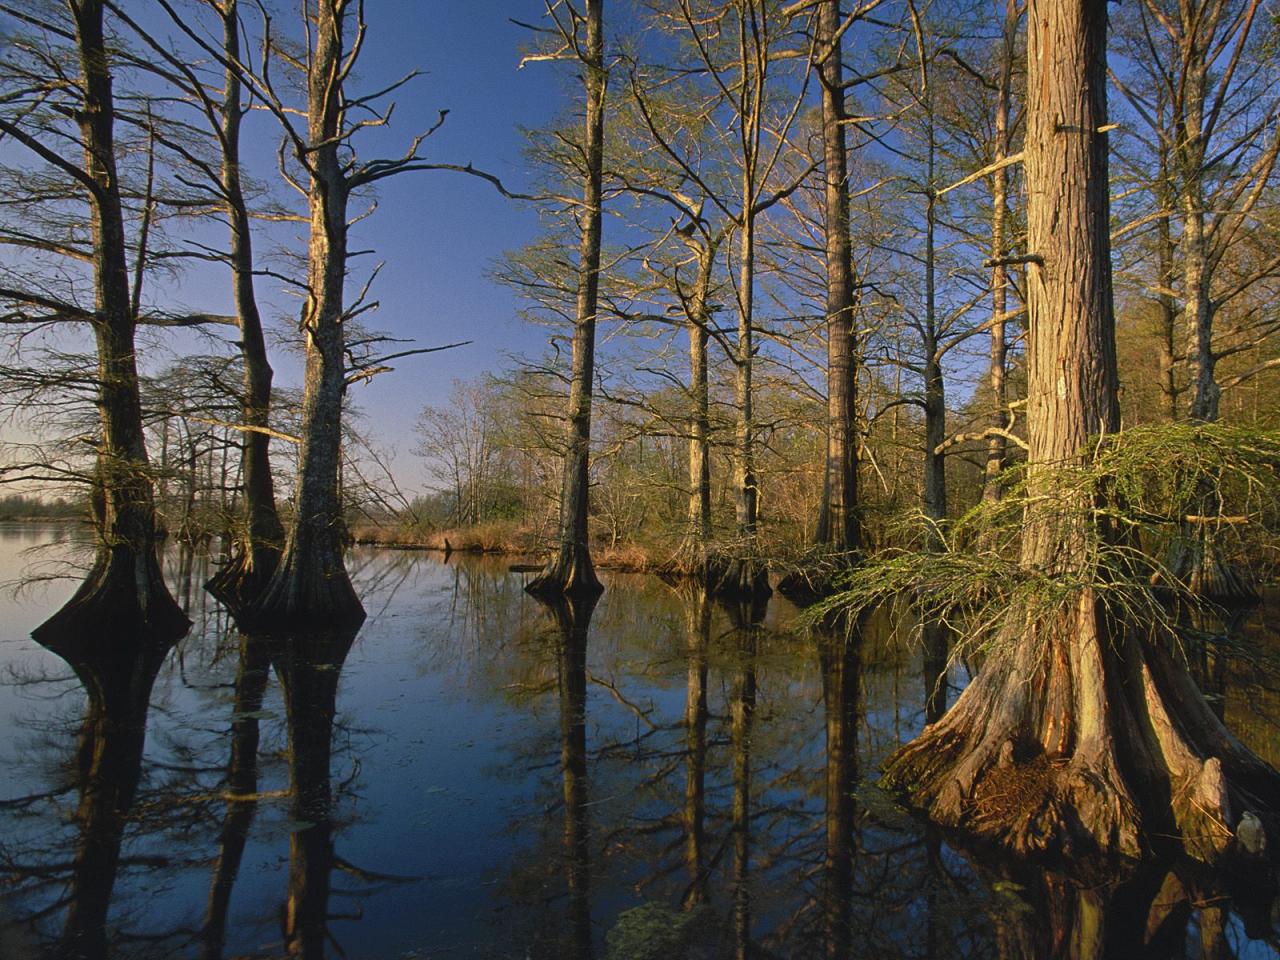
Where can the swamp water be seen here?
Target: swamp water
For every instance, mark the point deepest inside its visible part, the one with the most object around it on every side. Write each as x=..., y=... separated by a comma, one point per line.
x=477, y=775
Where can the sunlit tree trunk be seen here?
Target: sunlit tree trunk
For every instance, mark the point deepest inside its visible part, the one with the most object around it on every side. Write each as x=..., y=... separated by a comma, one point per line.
x=570, y=569
x=997, y=445
x=311, y=585
x=1081, y=733
x=838, y=519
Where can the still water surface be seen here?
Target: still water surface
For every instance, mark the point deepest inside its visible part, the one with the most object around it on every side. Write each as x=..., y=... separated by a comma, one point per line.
x=475, y=774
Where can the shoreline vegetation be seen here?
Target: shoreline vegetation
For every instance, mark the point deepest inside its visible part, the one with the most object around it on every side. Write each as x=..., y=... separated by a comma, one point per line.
x=499, y=539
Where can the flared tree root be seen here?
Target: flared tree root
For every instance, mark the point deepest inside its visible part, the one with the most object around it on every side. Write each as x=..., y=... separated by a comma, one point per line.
x=123, y=593
x=737, y=578
x=817, y=574
x=1082, y=743
x=1198, y=561
x=309, y=591
x=243, y=578
x=569, y=573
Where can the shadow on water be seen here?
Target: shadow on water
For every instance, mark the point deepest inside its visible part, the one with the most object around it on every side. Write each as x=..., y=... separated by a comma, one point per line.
x=651, y=775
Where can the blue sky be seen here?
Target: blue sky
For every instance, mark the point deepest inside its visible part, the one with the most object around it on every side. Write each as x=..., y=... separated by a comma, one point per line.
x=437, y=234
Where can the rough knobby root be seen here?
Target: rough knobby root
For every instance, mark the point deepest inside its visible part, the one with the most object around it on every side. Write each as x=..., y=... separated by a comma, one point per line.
x=1078, y=740
x=1197, y=560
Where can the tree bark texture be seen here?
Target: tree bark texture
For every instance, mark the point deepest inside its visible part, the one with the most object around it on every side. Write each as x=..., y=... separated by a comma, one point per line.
x=741, y=574
x=837, y=534
x=311, y=586
x=1081, y=735
x=997, y=445
x=125, y=587
x=262, y=536
x=838, y=517
x=570, y=569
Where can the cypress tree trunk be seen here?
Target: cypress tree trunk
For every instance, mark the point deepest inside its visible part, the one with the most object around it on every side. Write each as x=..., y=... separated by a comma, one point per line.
x=935, y=399
x=262, y=536
x=743, y=575
x=1081, y=734
x=692, y=556
x=311, y=586
x=837, y=526
x=997, y=446
x=570, y=570
x=125, y=587
x=837, y=535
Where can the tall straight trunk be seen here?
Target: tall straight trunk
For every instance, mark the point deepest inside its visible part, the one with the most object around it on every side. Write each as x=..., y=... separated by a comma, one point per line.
x=262, y=536
x=1198, y=307
x=311, y=585
x=838, y=517
x=997, y=445
x=935, y=400
x=570, y=570
x=746, y=492
x=743, y=576
x=1081, y=733
x=125, y=587
x=1168, y=315
x=698, y=530
x=1198, y=310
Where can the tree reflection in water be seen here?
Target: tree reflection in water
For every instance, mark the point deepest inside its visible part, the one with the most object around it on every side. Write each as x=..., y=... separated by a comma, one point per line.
x=117, y=672
x=252, y=674
x=693, y=781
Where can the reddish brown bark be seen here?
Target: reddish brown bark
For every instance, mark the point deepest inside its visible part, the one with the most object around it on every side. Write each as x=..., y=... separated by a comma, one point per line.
x=1081, y=734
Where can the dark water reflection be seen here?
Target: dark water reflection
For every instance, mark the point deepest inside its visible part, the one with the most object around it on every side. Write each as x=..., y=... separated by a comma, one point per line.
x=477, y=774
